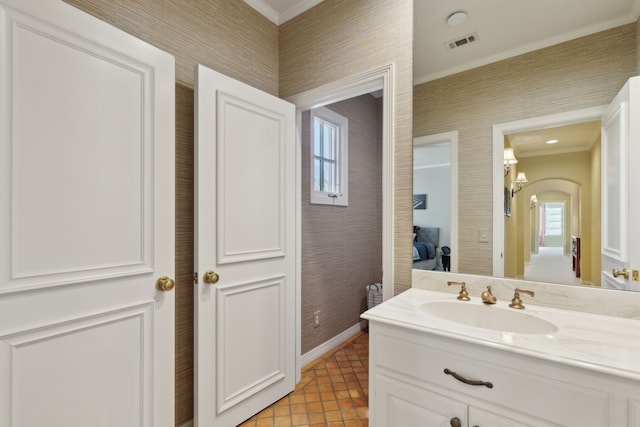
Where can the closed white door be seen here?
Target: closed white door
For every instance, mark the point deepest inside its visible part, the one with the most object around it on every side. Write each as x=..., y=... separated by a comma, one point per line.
x=621, y=190
x=87, y=222
x=245, y=250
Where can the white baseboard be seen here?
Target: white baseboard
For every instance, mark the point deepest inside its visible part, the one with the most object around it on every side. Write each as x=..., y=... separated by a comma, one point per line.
x=327, y=346
x=187, y=424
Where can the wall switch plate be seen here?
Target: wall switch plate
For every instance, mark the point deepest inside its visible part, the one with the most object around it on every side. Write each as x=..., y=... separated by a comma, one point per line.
x=483, y=235
x=316, y=319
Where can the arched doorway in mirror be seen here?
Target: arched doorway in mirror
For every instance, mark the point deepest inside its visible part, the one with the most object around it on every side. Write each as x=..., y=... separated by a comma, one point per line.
x=547, y=217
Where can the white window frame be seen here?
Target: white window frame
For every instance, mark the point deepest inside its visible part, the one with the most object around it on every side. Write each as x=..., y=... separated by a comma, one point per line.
x=340, y=197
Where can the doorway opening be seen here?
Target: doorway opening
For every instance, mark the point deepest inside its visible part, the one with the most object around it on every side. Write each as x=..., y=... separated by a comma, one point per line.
x=549, y=259
x=379, y=81
x=435, y=189
x=553, y=172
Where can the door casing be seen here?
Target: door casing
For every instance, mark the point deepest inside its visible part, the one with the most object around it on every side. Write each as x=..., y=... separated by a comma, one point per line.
x=381, y=78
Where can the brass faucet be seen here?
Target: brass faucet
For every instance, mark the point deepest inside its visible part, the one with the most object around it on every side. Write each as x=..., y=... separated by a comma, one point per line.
x=516, y=302
x=488, y=297
x=463, y=295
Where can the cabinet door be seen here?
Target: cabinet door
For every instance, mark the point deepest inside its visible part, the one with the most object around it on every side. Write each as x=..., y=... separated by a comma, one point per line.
x=400, y=404
x=481, y=418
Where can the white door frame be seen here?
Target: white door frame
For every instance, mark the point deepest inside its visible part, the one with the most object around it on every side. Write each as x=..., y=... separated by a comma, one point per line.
x=381, y=78
x=452, y=138
x=499, y=131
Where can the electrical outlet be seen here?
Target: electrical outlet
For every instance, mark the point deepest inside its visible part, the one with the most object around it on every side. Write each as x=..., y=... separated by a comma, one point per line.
x=316, y=319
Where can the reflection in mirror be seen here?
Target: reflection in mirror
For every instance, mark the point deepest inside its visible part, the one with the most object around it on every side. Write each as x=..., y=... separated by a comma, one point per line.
x=435, y=201
x=552, y=232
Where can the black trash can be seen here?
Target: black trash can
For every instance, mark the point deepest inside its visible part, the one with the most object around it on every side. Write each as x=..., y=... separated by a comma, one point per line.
x=446, y=258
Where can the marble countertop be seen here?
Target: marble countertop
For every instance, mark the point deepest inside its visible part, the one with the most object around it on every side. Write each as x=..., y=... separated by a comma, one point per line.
x=596, y=342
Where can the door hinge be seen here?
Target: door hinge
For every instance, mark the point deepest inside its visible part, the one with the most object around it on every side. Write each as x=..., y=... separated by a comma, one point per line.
x=195, y=278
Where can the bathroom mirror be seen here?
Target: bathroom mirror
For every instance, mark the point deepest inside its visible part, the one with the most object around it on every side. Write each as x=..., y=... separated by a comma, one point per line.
x=472, y=100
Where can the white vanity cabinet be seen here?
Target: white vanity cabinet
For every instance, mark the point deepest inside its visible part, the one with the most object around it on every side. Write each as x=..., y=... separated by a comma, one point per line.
x=409, y=386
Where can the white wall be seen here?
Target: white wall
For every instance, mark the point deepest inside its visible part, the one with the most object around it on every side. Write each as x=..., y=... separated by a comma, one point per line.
x=435, y=182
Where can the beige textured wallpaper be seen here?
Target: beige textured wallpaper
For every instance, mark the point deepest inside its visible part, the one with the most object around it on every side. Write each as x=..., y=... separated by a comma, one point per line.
x=230, y=37
x=342, y=245
x=582, y=73
x=336, y=39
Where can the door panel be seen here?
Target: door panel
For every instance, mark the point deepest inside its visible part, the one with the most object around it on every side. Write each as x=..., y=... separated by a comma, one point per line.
x=614, y=141
x=42, y=243
x=245, y=232
x=251, y=177
x=87, y=208
x=615, y=190
x=121, y=344
x=245, y=374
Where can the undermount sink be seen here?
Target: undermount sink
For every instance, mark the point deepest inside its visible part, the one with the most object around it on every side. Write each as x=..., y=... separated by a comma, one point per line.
x=489, y=317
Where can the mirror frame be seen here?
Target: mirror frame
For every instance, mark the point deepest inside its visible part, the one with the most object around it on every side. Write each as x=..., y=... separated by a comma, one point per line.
x=499, y=132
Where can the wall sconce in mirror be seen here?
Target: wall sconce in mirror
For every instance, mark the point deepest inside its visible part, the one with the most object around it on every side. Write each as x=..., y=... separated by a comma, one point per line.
x=521, y=179
x=509, y=159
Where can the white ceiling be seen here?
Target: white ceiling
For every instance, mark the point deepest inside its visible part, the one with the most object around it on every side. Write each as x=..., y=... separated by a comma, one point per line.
x=571, y=139
x=505, y=28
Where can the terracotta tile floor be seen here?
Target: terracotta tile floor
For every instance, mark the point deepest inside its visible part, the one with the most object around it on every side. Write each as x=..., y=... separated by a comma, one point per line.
x=333, y=392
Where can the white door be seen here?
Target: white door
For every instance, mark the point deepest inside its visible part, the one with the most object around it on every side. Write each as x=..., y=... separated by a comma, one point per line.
x=87, y=222
x=621, y=190
x=245, y=249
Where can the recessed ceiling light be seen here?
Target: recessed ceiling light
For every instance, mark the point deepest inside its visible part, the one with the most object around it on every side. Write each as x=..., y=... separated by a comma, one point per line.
x=456, y=18
x=552, y=141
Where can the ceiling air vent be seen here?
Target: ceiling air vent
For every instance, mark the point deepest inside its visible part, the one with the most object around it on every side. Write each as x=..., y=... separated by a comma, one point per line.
x=469, y=38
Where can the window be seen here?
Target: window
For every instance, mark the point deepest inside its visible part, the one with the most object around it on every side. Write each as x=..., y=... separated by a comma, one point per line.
x=554, y=213
x=329, y=148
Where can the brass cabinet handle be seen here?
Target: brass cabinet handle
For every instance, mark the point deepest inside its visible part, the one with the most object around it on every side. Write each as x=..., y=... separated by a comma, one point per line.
x=211, y=277
x=455, y=422
x=165, y=284
x=624, y=273
x=466, y=380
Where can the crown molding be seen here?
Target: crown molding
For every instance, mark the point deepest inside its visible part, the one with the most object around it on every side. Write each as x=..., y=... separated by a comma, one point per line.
x=280, y=17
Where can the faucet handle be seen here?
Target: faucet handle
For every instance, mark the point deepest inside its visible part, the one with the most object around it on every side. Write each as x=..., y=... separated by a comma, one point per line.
x=463, y=295
x=516, y=302
x=487, y=297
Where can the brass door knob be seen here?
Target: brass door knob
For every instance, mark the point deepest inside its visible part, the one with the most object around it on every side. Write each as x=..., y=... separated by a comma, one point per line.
x=624, y=273
x=211, y=277
x=165, y=284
